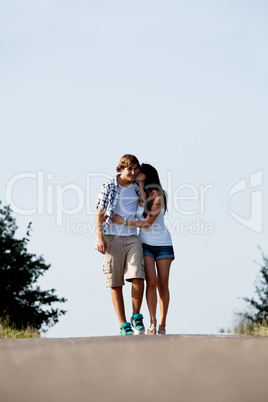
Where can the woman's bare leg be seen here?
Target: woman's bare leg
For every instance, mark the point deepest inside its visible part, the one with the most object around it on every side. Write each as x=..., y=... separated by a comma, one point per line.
x=151, y=286
x=163, y=268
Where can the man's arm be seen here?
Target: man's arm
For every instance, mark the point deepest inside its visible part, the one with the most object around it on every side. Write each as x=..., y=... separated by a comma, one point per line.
x=101, y=243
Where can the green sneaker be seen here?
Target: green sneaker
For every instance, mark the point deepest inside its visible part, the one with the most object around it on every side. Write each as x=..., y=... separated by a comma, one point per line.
x=137, y=324
x=126, y=329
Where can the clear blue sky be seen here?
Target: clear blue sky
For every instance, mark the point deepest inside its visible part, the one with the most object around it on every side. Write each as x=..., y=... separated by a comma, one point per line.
x=180, y=84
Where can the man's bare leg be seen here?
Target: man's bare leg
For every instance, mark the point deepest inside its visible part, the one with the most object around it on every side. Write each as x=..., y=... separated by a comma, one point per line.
x=118, y=302
x=137, y=294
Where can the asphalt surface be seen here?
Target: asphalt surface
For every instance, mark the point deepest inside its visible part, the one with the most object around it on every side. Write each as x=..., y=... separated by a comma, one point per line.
x=135, y=368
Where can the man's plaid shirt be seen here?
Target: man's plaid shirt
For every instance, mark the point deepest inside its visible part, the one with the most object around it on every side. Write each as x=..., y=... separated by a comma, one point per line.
x=108, y=198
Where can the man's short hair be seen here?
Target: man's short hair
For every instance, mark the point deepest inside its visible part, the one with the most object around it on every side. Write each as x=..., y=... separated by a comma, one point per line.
x=127, y=161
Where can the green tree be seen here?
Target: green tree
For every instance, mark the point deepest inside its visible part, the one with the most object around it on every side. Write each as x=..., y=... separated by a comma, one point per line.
x=21, y=303
x=259, y=305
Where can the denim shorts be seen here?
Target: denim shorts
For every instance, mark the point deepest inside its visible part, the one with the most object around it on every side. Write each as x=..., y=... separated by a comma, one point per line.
x=158, y=252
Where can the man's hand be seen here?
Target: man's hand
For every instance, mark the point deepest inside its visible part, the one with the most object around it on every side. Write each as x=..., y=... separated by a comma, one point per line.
x=101, y=245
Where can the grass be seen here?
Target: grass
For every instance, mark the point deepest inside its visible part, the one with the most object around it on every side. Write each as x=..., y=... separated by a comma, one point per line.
x=9, y=332
x=246, y=327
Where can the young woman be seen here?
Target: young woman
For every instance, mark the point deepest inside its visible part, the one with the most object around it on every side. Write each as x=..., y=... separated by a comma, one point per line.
x=156, y=241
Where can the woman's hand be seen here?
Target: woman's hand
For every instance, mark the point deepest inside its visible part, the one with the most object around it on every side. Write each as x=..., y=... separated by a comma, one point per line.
x=155, y=193
x=117, y=219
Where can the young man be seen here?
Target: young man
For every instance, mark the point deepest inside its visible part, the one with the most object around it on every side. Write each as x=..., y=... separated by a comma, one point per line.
x=119, y=244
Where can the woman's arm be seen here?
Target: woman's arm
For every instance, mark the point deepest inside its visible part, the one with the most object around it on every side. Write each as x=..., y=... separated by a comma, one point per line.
x=150, y=218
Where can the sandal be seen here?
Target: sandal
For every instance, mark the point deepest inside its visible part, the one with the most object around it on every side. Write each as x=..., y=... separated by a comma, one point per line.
x=161, y=331
x=152, y=331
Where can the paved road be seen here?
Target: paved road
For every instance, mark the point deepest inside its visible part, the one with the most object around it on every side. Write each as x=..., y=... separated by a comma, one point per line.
x=167, y=368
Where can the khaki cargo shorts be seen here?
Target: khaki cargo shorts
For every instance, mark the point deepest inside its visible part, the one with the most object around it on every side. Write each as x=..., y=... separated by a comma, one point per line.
x=123, y=259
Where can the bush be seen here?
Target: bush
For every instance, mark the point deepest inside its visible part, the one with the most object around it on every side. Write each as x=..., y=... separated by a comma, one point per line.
x=255, y=320
x=21, y=303
x=259, y=305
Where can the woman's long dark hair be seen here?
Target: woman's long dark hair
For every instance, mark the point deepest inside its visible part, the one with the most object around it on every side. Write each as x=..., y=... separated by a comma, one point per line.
x=152, y=182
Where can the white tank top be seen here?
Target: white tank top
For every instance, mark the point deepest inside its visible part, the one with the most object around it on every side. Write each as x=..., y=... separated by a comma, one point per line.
x=157, y=234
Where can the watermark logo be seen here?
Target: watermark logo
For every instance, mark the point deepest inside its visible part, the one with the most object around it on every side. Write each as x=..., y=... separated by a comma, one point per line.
x=255, y=202
x=50, y=198
x=188, y=204
x=176, y=227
